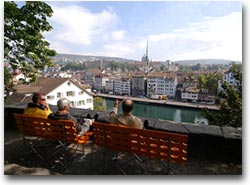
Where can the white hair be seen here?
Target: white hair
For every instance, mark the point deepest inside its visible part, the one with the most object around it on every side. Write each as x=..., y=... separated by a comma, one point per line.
x=62, y=103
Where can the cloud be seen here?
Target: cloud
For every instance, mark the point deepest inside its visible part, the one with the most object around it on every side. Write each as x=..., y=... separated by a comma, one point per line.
x=78, y=30
x=118, y=35
x=77, y=25
x=214, y=37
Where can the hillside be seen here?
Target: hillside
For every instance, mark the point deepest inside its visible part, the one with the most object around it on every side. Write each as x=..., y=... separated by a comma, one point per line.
x=204, y=61
x=65, y=58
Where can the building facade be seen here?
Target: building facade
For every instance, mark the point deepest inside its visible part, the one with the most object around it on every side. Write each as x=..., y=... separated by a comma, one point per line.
x=162, y=84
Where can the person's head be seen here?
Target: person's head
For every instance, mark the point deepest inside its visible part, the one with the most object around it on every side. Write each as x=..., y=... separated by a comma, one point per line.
x=127, y=106
x=63, y=104
x=39, y=99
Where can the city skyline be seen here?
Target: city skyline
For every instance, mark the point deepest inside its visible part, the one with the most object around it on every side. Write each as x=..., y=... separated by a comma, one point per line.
x=174, y=30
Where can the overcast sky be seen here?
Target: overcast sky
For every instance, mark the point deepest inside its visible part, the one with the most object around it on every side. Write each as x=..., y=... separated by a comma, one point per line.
x=174, y=30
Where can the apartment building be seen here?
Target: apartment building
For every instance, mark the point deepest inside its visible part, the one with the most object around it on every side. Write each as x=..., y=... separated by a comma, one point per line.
x=190, y=82
x=89, y=77
x=190, y=94
x=122, y=86
x=228, y=78
x=109, y=88
x=138, y=84
x=100, y=82
x=161, y=84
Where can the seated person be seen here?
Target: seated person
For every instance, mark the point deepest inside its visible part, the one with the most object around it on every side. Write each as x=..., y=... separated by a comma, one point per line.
x=63, y=106
x=38, y=107
x=126, y=118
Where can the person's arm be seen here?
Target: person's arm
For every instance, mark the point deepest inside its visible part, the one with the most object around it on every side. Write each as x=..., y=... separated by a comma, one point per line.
x=115, y=108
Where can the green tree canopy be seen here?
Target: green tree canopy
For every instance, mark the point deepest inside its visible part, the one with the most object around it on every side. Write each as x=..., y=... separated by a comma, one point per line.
x=202, y=81
x=230, y=113
x=99, y=104
x=212, y=81
x=24, y=44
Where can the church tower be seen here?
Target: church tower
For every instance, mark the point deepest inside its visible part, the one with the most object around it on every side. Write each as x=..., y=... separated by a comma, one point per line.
x=145, y=60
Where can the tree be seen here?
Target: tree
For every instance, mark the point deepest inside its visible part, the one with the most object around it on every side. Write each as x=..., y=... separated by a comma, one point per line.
x=163, y=67
x=202, y=81
x=99, y=104
x=230, y=113
x=24, y=44
x=8, y=83
x=212, y=81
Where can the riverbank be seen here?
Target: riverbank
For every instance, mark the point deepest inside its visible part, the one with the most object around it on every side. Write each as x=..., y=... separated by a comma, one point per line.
x=163, y=102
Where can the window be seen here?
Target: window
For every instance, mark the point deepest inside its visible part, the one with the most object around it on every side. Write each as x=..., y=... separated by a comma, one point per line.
x=59, y=95
x=70, y=93
x=89, y=100
x=50, y=97
x=81, y=103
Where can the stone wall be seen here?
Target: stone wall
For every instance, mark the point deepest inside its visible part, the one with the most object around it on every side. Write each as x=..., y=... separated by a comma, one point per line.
x=206, y=142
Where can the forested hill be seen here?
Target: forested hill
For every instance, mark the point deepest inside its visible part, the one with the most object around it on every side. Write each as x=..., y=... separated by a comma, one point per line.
x=65, y=58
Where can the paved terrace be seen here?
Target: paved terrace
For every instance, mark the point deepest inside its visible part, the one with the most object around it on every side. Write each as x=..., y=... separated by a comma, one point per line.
x=212, y=150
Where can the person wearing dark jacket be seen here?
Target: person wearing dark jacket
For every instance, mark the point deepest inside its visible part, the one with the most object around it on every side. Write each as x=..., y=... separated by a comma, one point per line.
x=63, y=113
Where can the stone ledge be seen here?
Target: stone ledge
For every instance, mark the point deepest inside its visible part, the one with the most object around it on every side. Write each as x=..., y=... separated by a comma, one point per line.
x=158, y=124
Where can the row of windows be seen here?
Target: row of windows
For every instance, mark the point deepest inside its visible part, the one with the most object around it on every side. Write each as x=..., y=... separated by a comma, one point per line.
x=162, y=89
x=80, y=103
x=60, y=95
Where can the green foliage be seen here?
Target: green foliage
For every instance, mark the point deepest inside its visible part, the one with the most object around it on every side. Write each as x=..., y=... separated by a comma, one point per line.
x=196, y=67
x=202, y=81
x=24, y=44
x=212, y=81
x=8, y=83
x=99, y=104
x=185, y=69
x=209, y=81
x=116, y=65
x=163, y=67
x=230, y=113
x=74, y=67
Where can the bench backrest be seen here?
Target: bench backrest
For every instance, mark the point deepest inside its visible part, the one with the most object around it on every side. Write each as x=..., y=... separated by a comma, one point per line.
x=63, y=130
x=151, y=143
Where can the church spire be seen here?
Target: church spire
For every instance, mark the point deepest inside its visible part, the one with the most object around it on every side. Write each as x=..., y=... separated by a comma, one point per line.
x=145, y=59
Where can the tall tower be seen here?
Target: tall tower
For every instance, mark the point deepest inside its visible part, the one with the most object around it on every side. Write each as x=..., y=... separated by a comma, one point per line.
x=145, y=60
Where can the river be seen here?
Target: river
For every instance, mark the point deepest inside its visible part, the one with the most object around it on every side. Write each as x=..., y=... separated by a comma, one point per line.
x=165, y=112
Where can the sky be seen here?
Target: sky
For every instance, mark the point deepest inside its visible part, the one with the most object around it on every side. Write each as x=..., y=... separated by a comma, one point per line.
x=174, y=30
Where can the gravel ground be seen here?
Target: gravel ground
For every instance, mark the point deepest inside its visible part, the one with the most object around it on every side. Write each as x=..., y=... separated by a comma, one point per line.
x=16, y=162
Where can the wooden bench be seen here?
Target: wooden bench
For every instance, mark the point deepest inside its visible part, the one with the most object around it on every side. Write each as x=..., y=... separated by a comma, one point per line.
x=62, y=131
x=165, y=146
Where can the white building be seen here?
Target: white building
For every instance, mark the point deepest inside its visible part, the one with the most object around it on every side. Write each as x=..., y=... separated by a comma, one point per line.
x=190, y=94
x=229, y=79
x=54, y=89
x=122, y=86
x=161, y=84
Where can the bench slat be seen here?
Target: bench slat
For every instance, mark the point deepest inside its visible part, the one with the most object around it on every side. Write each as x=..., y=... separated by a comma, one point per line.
x=167, y=146
x=63, y=130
